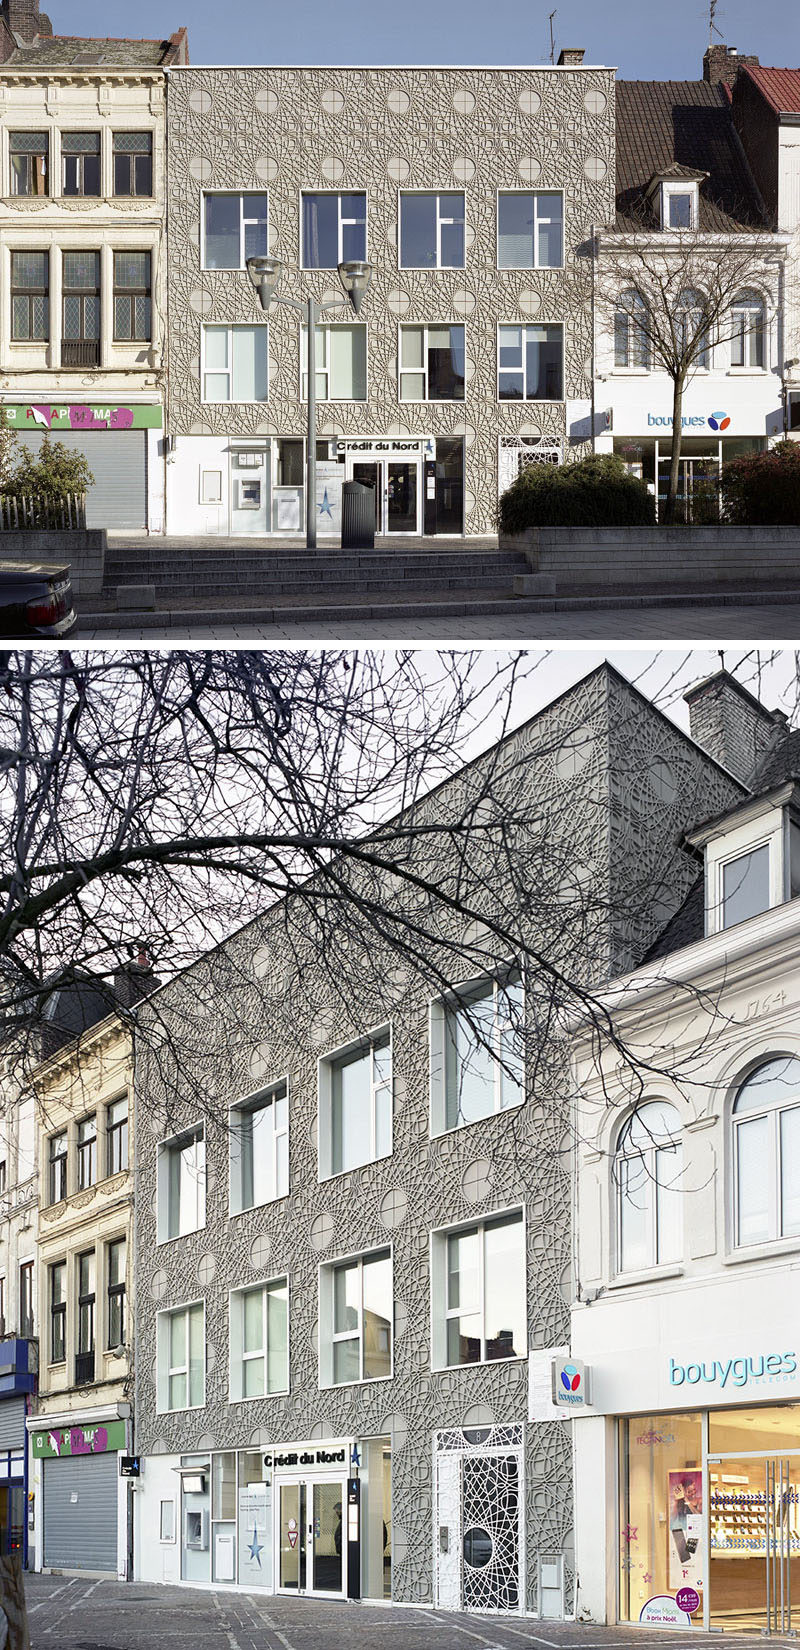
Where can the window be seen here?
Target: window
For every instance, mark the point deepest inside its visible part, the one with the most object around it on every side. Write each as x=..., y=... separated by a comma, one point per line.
x=692, y=326
x=432, y=363
x=478, y=1285
x=87, y=1153
x=355, y=1104
x=431, y=231
x=26, y=1319
x=3, y=1177
x=530, y=229
x=58, y=1312
x=341, y=363
x=116, y=1260
x=235, y=230
x=647, y=1170
x=80, y=163
x=182, y=1185
x=117, y=1136
x=477, y=1058
x=30, y=297
x=748, y=325
x=84, y=1359
x=235, y=363
x=167, y=1521
x=2, y=1304
x=81, y=309
x=357, y=1313
x=29, y=162
x=793, y=409
x=58, y=1168
x=181, y=1376
x=132, y=299
x=745, y=886
x=260, y=1340
x=630, y=331
x=133, y=163
x=766, y=1150
x=531, y=364
x=679, y=205
x=259, y=1149
x=334, y=230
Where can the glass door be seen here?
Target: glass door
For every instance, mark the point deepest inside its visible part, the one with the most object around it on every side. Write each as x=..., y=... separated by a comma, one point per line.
x=312, y=1537
x=754, y=1549
x=698, y=496
x=292, y=1538
x=328, y=1537
x=401, y=498
x=369, y=474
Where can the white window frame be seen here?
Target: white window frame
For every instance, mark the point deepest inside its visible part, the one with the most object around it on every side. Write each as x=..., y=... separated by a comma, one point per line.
x=325, y=1068
x=415, y=400
x=165, y=1371
x=678, y=186
x=439, y=1011
x=243, y=222
x=632, y=368
x=442, y=1312
x=773, y=1113
x=168, y=1501
x=769, y=827
x=237, y=1357
x=165, y=1148
x=537, y=219
x=228, y=328
x=323, y=365
x=505, y=401
x=327, y=1336
x=278, y=1141
x=704, y=361
x=342, y=223
x=744, y=334
x=653, y=1262
x=440, y=220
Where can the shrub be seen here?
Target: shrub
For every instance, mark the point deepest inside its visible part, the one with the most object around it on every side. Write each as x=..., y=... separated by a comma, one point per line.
x=763, y=489
x=595, y=492
x=49, y=472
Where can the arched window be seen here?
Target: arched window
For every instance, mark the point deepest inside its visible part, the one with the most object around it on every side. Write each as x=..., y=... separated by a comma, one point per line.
x=630, y=331
x=648, y=1166
x=747, y=330
x=766, y=1152
x=691, y=326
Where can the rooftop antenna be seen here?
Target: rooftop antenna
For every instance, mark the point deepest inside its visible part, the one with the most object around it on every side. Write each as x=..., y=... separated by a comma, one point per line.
x=552, y=41
x=712, y=27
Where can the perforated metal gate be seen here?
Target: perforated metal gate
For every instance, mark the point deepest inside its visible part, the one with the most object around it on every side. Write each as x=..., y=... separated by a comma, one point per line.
x=80, y=1512
x=479, y=1551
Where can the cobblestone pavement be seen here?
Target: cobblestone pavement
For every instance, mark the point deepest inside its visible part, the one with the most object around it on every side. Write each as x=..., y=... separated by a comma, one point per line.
x=82, y=1614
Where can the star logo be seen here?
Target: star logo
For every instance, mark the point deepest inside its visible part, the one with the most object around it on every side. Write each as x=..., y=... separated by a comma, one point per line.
x=630, y=1533
x=325, y=508
x=255, y=1548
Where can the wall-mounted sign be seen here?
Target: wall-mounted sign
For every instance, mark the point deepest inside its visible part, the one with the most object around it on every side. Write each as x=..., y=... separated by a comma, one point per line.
x=570, y=1383
x=389, y=447
x=84, y=1440
x=312, y=1455
x=768, y=1368
x=130, y=1466
x=51, y=415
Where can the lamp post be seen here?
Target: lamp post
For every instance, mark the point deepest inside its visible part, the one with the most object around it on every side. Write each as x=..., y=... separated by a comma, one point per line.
x=355, y=276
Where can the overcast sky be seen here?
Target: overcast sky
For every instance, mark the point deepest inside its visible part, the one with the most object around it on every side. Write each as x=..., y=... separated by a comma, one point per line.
x=643, y=41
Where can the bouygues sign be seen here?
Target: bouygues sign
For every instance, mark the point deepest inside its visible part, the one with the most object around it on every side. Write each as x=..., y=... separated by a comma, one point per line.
x=765, y=1369
x=60, y=1441
x=718, y=422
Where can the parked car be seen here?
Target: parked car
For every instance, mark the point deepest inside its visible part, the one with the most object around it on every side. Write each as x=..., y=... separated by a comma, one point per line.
x=36, y=600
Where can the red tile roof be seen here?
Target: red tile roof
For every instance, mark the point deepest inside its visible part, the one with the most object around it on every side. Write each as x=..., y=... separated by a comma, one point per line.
x=780, y=88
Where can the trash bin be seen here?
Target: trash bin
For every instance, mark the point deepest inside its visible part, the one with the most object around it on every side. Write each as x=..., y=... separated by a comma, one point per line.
x=358, y=516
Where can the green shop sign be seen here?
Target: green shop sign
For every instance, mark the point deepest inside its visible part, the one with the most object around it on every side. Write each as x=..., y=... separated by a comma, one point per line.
x=79, y=1440
x=63, y=415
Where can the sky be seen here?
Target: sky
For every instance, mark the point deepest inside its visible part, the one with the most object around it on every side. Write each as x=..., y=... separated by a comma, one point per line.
x=643, y=41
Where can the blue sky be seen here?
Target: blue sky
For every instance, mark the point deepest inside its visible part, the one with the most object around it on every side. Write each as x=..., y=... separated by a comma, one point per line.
x=643, y=39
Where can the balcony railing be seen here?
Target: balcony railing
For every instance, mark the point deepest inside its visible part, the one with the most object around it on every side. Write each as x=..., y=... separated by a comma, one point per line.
x=84, y=1368
x=80, y=352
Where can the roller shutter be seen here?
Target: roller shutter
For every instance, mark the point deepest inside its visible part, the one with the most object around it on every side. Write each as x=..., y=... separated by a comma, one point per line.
x=80, y=1512
x=118, y=462
x=12, y=1423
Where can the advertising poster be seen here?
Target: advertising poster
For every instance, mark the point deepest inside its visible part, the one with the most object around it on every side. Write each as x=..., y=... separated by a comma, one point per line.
x=685, y=1500
x=329, y=497
x=255, y=1535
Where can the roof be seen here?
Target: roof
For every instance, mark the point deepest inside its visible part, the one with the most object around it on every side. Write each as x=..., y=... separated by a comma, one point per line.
x=781, y=763
x=685, y=927
x=662, y=124
x=779, y=87
x=63, y=51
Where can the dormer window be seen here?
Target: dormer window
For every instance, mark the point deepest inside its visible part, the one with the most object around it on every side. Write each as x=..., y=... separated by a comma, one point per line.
x=752, y=858
x=679, y=210
x=745, y=886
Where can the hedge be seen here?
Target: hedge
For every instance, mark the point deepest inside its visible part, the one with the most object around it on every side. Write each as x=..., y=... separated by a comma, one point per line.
x=596, y=492
x=763, y=489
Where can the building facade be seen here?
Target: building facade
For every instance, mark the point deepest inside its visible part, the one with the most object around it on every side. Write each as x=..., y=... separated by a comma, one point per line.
x=472, y=193
x=18, y=1314
x=351, y=1230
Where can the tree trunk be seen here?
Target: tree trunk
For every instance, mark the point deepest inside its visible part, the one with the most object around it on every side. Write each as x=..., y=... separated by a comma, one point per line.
x=13, y=1613
x=677, y=432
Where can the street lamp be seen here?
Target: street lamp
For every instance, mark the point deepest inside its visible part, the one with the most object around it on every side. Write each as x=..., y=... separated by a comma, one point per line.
x=355, y=276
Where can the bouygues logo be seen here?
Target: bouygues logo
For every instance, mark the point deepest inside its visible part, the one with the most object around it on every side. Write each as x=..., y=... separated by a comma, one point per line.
x=738, y=1371
x=570, y=1378
x=719, y=420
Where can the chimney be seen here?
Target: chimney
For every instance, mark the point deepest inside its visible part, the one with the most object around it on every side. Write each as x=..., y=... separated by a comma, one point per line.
x=722, y=63
x=135, y=979
x=731, y=724
x=571, y=57
x=23, y=19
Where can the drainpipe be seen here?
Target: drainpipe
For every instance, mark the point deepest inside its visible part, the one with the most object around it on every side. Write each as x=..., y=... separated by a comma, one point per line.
x=594, y=298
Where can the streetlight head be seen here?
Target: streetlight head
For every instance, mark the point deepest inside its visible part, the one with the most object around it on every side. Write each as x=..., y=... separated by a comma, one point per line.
x=355, y=277
x=265, y=273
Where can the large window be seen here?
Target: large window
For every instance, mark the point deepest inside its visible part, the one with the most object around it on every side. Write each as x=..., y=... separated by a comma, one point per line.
x=57, y=1167
x=530, y=229
x=235, y=230
x=30, y=168
x=84, y=1357
x=432, y=363
x=80, y=163
x=766, y=1150
x=132, y=297
x=648, y=1169
x=81, y=309
x=531, y=363
x=26, y=1314
x=341, y=363
x=30, y=297
x=181, y=1374
x=133, y=163
x=260, y=1340
x=356, y=1312
x=355, y=1105
x=631, y=347
x=87, y=1152
x=58, y=1312
x=235, y=363
x=431, y=231
x=117, y=1136
x=259, y=1137
x=691, y=327
x=745, y=886
x=116, y=1259
x=747, y=330
x=182, y=1184
x=661, y=1510
x=478, y=1288
x=334, y=229
x=477, y=1052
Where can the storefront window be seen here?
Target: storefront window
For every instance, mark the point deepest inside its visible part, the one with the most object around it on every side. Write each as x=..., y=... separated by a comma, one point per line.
x=661, y=1509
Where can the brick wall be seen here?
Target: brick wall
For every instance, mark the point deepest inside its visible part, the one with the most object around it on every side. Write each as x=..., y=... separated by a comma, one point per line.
x=757, y=126
x=730, y=724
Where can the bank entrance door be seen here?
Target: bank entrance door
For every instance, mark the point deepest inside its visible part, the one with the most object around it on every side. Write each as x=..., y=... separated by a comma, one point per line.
x=311, y=1535
x=397, y=492
x=754, y=1547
